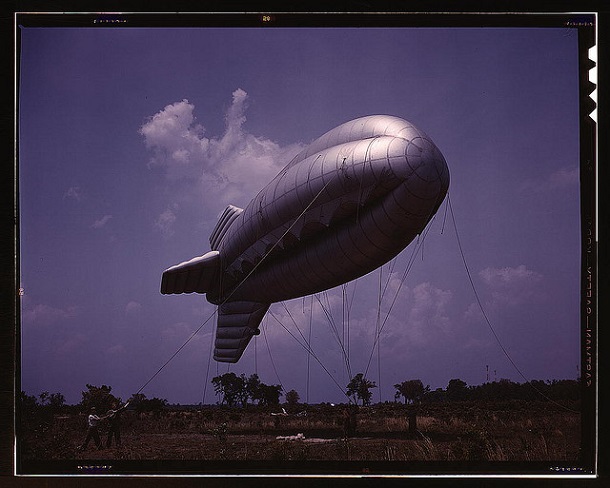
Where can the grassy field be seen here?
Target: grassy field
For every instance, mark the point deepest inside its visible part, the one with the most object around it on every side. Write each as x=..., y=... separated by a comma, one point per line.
x=464, y=431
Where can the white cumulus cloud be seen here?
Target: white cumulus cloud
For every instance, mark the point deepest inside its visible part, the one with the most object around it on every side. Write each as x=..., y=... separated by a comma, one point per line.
x=512, y=286
x=231, y=167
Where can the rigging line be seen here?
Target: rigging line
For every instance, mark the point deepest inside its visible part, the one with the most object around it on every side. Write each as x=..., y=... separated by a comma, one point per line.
x=346, y=315
x=341, y=339
x=310, y=350
x=330, y=319
x=255, y=357
x=390, y=271
x=445, y=216
x=380, y=296
x=330, y=311
x=334, y=322
x=176, y=353
x=312, y=355
x=349, y=314
x=264, y=256
x=402, y=280
x=309, y=344
x=207, y=373
x=270, y=356
x=478, y=299
x=343, y=312
x=293, y=320
x=407, y=271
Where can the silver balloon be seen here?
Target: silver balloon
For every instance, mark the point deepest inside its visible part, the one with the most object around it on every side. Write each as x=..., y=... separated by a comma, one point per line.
x=345, y=205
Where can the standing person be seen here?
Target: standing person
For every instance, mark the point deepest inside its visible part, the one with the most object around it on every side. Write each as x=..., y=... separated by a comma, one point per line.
x=114, y=424
x=92, y=432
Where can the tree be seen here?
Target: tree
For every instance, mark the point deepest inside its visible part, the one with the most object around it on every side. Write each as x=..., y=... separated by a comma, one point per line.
x=137, y=401
x=98, y=397
x=457, y=390
x=238, y=389
x=28, y=402
x=412, y=391
x=253, y=388
x=269, y=394
x=292, y=398
x=56, y=401
x=359, y=388
x=231, y=387
x=140, y=403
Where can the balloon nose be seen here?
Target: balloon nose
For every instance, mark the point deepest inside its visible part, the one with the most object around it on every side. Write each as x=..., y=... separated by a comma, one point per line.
x=428, y=172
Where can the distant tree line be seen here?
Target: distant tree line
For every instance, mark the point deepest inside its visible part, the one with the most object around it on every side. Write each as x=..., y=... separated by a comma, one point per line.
x=413, y=391
x=99, y=397
x=237, y=390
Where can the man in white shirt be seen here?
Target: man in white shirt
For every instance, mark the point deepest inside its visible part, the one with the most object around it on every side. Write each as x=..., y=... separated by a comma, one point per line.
x=92, y=432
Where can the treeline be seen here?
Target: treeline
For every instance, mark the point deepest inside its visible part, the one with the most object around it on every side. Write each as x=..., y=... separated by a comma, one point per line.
x=99, y=397
x=413, y=391
x=238, y=391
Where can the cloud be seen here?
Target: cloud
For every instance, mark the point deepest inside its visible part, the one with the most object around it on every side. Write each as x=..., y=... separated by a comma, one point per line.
x=563, y=178
x=512, y=286
x=428, y=314
x=227, y=168
x=72, y=344
x=177, y=144
x=176, y=334
x=165, y=222
x=509, y=278
x=133, y=308
x=44, y=315
x=74, y=193
x=98, y=224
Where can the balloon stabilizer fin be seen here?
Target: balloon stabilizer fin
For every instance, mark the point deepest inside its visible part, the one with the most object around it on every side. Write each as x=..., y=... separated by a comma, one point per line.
x=197, y=275
x=237, y=322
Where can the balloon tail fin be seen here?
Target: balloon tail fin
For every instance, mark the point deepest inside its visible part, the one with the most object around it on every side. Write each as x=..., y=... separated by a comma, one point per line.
x=237, y=322
x=199, y=275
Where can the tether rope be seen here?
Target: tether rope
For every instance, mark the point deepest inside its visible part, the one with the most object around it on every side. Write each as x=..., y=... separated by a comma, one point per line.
x=480, y=304
x=418, y=245
x=207, y=373
x=309, y=344
x=329, y=316
x=311, y=352
x=271, y=358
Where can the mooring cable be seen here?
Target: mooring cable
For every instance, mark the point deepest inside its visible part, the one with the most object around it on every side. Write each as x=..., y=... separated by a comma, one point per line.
x=311, y=352
x=491, y=328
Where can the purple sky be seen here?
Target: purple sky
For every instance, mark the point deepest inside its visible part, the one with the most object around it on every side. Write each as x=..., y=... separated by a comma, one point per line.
x=133, y=141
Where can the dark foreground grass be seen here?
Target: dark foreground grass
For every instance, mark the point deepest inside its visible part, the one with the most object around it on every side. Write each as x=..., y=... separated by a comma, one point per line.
x=510, y=431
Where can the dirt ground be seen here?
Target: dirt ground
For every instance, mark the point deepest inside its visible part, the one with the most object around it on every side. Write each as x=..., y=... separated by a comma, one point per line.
x=512, y=432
